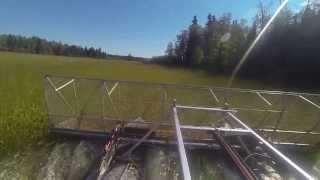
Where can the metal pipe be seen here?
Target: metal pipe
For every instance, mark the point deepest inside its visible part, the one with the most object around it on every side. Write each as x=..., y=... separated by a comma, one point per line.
x=182, y=151
x=214, y=95
x=235, y=109
x=205, y=108
x=273, y=149
x=264, y=99
x=238, y=130
x=288, y=131
x=103, y=135
x=137, y=144
x=113, y=88
x=309, y=101
x=115, y=109
x=64, y=85
x=245, y=171
x=206, y=128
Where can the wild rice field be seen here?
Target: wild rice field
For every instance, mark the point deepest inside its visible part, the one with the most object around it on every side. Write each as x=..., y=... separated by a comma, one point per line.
x=23, y=115
x=22, y=111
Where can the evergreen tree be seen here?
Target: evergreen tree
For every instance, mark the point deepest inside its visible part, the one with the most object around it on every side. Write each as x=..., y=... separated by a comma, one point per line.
x=194, y=53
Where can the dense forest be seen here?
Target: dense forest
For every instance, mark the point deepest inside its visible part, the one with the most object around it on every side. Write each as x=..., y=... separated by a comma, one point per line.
x=42, y=46
x=36, y=45
x=289, y=51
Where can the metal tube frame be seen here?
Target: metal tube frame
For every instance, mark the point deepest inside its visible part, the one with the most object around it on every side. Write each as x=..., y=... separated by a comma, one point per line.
x=273, y=149
x=205, y=88
x=212, y=91
x=182, y=151
x=252, y=132
x=60, y=94
x=264, y=99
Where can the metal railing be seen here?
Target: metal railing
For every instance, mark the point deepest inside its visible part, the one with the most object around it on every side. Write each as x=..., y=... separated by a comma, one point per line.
x=77, y=103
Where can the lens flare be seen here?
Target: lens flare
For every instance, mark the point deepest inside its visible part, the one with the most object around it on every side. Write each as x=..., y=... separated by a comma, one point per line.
x=247, y=53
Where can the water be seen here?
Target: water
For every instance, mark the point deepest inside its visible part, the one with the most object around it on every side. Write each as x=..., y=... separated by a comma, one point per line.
x=73, y=160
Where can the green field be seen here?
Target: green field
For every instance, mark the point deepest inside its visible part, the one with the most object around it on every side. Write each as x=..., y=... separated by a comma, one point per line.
x=23, y=116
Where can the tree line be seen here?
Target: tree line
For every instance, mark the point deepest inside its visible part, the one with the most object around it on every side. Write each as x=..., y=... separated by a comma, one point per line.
x=37, y=45
x=289, y=51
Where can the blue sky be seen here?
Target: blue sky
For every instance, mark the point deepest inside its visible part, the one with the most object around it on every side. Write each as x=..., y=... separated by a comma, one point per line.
x=139, y=27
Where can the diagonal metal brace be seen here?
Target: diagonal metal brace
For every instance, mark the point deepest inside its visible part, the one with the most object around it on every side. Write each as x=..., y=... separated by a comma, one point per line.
x=144, y=138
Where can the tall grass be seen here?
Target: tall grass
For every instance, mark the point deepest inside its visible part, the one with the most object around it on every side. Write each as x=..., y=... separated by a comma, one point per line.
x=23, y=119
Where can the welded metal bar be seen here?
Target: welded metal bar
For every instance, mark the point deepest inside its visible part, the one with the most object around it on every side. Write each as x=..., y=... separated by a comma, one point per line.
x=217, y=110
x=205, y=108
x=194, y=86
x=290, y=144
x=309, y=101
x=258, y=110
x=102, y=135
x=231, y=108
x=206, y=128
x=137, y=144
x=60, y=95
x=214, y=95
x=64, y=85
x=163, y=102
x=103, y=102
x=239, y=130
x=245, y=132
x=113, y=88
x=273, y=149
x=309, y=132
x=76, y=106
x=245, y=171
x=284, y=107
x=314, y=126
x=116, y=110
x=288, y=131
x=182, y=151
x=75, y=89
x=221, y=109
x=264, y=99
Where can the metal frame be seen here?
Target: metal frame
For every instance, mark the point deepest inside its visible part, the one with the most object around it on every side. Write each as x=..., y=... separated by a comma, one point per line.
x=244, y=169
x=206, y=89
x=60, y=94
x=228, y=114
x=163, y=101
x=264, y=99
x=182, y=151
x=273, y=149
